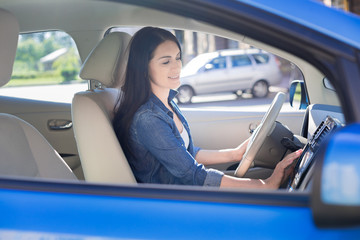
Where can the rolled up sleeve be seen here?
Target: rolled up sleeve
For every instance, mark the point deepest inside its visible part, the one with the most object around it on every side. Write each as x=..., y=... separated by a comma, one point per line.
x=213, y=178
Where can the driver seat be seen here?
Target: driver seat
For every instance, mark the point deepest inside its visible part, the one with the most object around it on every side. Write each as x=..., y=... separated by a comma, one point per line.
x=101, y=155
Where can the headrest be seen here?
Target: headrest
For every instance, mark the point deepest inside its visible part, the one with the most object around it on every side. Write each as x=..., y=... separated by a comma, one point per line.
x=9, y=33
x=103, y=63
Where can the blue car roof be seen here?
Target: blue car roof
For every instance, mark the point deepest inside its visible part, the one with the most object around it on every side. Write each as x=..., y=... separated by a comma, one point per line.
x=336, y=23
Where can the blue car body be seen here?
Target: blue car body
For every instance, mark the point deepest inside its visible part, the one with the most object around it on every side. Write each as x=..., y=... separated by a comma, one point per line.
x=125, y=215
x=64, y=210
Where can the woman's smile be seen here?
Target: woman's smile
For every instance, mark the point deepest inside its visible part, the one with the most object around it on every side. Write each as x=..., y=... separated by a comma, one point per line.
x=177, y=77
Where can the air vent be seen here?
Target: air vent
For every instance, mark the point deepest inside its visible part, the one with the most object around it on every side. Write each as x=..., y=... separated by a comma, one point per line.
x=323, y=130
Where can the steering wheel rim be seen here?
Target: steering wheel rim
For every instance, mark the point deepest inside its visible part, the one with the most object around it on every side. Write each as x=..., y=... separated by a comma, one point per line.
x=260, y=133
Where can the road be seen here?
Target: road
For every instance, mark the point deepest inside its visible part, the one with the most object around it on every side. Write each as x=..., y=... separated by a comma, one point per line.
x=229, y=100
x=65, y=93
x=53, y=93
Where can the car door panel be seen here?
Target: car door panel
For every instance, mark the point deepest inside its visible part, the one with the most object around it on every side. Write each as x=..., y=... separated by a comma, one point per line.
x=211, y=81
x=242, y=72
x=223, y=129
x=242, y=77
x=127, y=212
x=213, y=76
x=42, y=116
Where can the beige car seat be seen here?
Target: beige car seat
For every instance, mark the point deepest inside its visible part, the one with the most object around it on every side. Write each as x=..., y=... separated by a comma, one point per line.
x=101, y=155
x=23, y=150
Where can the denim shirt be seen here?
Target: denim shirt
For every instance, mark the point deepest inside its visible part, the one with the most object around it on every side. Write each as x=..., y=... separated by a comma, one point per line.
x=158, y=151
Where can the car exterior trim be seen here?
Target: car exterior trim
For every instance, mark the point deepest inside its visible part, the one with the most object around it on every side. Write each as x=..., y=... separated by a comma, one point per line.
x=173, y=192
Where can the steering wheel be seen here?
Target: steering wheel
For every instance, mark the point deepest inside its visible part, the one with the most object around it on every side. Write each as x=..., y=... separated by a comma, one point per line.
x=260, y=133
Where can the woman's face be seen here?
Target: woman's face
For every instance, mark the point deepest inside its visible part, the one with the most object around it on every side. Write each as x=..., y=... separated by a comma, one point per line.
x=165, y=67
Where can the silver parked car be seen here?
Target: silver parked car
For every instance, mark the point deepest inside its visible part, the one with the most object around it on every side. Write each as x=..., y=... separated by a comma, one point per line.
x=229, y=71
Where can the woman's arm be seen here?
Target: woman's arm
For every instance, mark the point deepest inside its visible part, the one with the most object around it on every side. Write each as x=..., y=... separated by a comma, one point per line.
x=208, y=157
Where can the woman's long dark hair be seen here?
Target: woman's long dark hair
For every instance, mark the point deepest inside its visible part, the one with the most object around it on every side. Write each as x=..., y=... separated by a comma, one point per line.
x=136, y=90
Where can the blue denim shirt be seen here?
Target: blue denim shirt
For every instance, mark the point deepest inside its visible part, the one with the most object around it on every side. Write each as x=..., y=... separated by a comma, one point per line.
x=158, y=151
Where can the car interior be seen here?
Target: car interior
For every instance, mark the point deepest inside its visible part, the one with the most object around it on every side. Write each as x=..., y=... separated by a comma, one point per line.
x=24, y=151
x=89, y=149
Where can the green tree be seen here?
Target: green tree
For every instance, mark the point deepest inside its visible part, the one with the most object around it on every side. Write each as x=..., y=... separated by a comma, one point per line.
x=50, y=45
x=33, y=46
x=29, y=51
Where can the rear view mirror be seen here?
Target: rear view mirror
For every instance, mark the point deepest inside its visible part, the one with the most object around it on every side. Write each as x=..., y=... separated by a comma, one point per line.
x=298, y=96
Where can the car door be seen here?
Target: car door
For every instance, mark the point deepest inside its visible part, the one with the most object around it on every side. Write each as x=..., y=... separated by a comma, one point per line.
x=212, y=77
x=241, y=73
x=59, y=210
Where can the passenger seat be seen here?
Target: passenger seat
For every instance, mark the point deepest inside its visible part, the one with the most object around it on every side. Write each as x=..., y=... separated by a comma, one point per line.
x=23, y=150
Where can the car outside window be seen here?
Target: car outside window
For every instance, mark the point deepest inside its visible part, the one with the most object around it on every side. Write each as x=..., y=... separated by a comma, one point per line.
x=240, y=60
x=261, y=58
x=46, y=67
x=231, y=86
x=216, y=64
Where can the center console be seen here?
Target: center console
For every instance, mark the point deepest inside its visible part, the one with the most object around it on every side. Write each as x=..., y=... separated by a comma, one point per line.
x=306, y=160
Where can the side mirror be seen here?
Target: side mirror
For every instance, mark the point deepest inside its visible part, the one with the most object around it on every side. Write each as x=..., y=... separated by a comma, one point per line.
x=298, y=96
x=335, y=199
x=209, y=66
x=328, y=84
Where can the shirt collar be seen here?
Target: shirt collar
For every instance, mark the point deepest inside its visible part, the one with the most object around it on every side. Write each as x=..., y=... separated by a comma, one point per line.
x=158, y=102
x=172, y=95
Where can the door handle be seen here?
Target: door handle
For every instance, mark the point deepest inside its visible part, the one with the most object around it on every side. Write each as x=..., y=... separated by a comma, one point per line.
x=59, y=124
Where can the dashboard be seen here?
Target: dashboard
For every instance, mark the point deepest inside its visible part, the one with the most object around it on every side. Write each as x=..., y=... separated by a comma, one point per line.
x=332, y=119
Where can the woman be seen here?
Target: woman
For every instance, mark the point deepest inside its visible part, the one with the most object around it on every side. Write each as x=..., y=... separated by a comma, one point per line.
x=153, y=132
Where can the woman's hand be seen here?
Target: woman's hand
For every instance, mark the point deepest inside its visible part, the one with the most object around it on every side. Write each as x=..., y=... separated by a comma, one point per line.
x=282, y=170
x=239, y=152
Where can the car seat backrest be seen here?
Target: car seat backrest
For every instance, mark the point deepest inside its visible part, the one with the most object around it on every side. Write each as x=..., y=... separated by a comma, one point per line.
x=9, y=33
x=23, y=150
x=101, y=155
x=26, y=153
